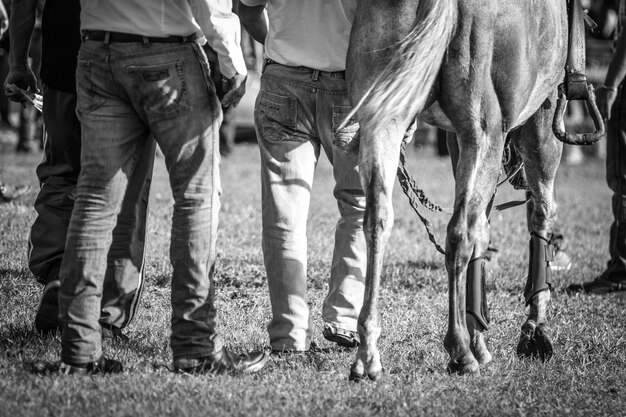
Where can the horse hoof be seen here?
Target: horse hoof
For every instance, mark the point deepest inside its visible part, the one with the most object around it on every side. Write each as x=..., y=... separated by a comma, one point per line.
x=356, y=376
x=463, y=367
x=534, y=342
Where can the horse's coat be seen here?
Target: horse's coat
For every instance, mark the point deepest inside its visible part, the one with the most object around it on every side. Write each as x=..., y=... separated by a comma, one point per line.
x=483, y=69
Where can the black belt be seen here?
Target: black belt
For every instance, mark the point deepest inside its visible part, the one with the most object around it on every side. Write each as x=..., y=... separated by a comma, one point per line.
x=110, y=37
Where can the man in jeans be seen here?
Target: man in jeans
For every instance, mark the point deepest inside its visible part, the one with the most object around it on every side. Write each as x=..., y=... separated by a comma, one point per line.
x=59, y=170
x=141, y=73
x=302, y=101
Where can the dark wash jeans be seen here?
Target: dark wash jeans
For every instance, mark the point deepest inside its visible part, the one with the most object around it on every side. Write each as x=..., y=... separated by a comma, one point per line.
x=128, y=92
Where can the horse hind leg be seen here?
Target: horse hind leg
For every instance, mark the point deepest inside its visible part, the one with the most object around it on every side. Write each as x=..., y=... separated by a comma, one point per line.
x=477, y=311
x=476, y=175
x=541, y=154
x=378, y=163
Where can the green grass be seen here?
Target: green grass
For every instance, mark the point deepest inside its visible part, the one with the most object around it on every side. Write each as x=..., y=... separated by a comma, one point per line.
x=586, y=376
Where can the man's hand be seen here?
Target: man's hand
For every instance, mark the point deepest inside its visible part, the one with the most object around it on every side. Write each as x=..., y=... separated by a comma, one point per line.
x=605, y=98
x=234, y=89
x=24, y=79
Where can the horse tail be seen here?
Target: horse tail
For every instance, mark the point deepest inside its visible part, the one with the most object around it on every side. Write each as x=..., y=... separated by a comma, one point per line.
x=407, y=79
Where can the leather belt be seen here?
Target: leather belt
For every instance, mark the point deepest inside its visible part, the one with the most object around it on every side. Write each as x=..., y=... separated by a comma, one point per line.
x=111, y=37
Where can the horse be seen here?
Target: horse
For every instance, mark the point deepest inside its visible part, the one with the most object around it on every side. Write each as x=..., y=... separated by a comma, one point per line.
x=488, y=71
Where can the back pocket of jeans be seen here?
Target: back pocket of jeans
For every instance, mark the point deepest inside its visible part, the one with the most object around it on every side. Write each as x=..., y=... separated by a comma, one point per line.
x=161, y=89
x=347, y=137
x=279, y=116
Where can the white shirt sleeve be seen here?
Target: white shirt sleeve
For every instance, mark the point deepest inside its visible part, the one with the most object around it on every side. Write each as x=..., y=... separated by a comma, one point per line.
x=223, y=32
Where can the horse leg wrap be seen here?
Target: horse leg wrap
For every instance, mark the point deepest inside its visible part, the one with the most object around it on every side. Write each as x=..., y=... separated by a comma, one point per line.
x=475, y=296
x=539, y=274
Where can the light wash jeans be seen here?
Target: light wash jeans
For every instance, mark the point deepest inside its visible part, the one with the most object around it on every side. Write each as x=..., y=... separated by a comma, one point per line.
x=127, y=92
x=297, y=112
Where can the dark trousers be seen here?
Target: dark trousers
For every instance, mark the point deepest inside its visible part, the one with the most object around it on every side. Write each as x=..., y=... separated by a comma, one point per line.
x=616, y=179
x=58, y=174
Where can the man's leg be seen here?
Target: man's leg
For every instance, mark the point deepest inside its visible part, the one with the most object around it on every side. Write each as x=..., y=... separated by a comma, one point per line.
x=192, y=160
x=347, y=276
x=112, y=138
x=287, y=167
x=58, y=173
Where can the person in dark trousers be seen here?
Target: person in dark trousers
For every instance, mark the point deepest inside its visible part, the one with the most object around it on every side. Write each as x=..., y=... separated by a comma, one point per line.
x=611, y=100
x=60, y=168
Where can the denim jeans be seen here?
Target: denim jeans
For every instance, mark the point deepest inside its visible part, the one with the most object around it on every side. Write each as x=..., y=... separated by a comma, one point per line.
x=128, y=92
x=58, y=174
x=296, y=114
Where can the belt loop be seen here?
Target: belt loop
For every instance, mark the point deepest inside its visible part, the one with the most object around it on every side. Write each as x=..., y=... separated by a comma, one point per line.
x=146, y=42
x=316, y=75
x=107, y=39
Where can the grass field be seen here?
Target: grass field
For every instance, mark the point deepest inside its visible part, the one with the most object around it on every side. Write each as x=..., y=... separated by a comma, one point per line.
x=587, y=375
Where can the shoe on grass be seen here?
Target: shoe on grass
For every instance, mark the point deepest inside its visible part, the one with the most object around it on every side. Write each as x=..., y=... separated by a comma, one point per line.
x=224, y=362
x=342, y=337
x=101, y=366
x=600, y=285
x=46, y=318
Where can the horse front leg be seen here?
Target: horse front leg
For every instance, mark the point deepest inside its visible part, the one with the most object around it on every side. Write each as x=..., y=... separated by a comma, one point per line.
x=378, y=163
x=541, y=154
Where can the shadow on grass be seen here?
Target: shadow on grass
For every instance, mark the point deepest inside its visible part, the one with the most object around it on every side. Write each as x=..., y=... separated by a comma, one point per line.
x=15, y=273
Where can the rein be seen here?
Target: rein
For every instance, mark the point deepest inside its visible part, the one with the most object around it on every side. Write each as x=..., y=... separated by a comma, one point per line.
x=417, y=196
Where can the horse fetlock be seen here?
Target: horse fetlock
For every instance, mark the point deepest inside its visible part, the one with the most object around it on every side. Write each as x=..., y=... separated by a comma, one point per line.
x=369, y=332
x=535, y=341
x=539, y=307
x=457, y=344
x=539, y=271
x=463, y=365
x=477, y=341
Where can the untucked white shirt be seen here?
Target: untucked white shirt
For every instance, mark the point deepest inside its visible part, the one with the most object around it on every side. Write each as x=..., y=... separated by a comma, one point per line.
x=310, y=33
x=210, y=19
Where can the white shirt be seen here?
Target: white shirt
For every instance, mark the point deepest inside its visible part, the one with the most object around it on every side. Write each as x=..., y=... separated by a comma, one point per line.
x=310, y=33
x=212, y=19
